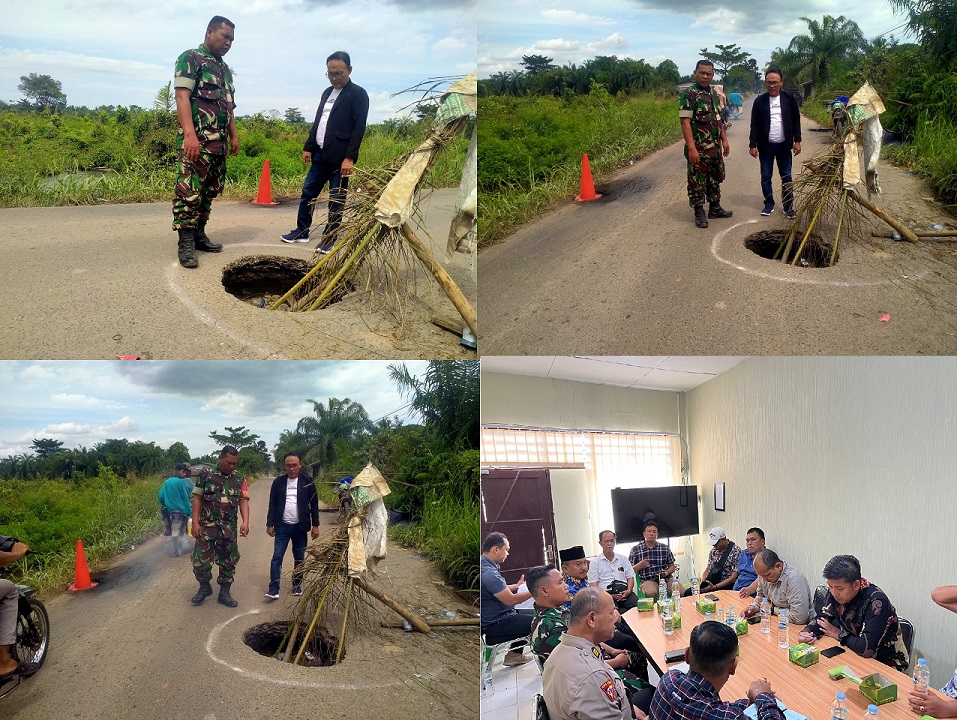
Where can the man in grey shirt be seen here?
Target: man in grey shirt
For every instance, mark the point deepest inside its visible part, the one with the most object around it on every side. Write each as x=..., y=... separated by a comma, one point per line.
x=783, y=585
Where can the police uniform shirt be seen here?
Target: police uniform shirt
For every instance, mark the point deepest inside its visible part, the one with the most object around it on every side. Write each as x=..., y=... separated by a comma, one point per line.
x=577, y=683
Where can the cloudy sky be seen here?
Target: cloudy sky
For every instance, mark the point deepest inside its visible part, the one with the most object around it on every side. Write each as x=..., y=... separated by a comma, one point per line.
x=571, y=31
x=85, y=402
x=107, y=52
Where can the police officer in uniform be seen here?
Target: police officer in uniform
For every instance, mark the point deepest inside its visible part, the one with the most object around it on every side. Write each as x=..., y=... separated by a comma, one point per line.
x=577, y=682
x=205, y=109
x=705, y=140
x=216, y=498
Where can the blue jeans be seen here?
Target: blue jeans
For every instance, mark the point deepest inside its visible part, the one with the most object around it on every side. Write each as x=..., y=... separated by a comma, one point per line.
x=782, y=153
x=319, y=174
x=285, y=533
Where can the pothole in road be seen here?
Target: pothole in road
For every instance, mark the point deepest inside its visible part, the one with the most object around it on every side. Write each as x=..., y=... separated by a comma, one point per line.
x=260, y=280
x=768, y=244
x=267, y=638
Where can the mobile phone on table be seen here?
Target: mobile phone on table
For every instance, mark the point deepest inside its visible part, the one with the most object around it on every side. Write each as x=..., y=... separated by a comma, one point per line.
x=754, y=620
x=673, y=656
x=712, y=597
x=832, y=651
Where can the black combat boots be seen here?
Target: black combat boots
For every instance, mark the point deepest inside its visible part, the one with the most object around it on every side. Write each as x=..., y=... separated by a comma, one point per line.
x=205, y=590
x=187, y=249
x=699, y=219
x=202, y=239
x=716, y=211
x=225, y=598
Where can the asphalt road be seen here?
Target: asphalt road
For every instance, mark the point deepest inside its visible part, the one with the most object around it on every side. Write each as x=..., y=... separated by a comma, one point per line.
x=134, y=647
x=94, y=282
x=631, y=274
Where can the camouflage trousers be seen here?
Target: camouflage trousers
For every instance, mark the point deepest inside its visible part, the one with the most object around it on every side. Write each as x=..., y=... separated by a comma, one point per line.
x=704, y=180
x=197, y=183
x=215, y=544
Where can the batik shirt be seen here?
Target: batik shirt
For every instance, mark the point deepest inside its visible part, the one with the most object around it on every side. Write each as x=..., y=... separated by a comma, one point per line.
x=691, y=697
x=730, y=564
x=701, y=106
x=574, y=586
x=868, y=625
x=210, y=83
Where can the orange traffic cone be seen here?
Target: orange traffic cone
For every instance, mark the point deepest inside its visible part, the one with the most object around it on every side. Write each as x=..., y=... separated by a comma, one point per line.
x=588, y=186
x=81, y=575
x=265, y=188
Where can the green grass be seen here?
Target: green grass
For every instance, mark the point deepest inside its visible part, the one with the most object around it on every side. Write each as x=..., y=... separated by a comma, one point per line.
x=932, y=155
x=448, y=534
x=41, y=155
x=530, y=149
x=106, y=512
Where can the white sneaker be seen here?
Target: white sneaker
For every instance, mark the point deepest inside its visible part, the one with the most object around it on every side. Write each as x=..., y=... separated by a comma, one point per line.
x=272, y=595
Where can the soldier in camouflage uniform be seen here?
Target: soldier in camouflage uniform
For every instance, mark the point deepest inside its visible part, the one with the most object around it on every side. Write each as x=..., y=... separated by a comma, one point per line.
x=205, y=108
x=216, y=498
x=705, y=139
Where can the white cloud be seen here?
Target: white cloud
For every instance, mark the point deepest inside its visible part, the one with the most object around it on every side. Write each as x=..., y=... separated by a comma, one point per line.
x=572, y=16
x=230, y=403
x=65, y=428
x=615, y=41
x=80, y=400
x=123, y=425
x=37, y=372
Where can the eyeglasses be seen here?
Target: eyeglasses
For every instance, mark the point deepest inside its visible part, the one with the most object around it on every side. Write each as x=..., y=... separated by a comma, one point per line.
x=336, y=74
x=771, y=82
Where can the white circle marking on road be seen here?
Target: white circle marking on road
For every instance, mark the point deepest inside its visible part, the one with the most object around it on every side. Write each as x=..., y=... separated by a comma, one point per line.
x=325, y=683
x=716, y=247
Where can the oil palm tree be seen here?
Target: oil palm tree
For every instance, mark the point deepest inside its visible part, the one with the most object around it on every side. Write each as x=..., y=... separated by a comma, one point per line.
x=825, y=42
x=340, y=420
x=447, y=399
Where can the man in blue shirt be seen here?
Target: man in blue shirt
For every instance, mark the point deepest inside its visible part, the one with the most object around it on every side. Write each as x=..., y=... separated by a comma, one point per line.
x=175, y=494
x=574, y=570
x=500, y=620
x=747, y=581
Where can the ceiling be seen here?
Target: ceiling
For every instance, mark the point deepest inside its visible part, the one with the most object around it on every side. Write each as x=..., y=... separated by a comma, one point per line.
x=674, y=373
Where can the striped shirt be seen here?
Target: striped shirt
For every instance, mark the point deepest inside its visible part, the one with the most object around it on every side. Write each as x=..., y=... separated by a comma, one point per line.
x=690, y=696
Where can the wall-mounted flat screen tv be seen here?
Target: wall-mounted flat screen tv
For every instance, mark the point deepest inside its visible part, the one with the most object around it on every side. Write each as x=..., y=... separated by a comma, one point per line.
x=675, y=508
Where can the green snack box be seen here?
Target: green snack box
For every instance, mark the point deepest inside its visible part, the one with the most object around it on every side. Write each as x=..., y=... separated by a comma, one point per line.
x=646, y=604
x=741, y=627
x=878, y=689
x=803, y=654
x=705, y=606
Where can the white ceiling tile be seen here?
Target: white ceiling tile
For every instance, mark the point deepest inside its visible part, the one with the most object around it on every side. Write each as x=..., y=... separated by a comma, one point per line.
x=701, y=363
x=596, y=371
x=518, y=365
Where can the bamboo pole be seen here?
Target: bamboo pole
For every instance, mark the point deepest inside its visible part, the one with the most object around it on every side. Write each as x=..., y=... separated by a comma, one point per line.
x=456, y=622
x=345, y=619
x=299, y=284
x=807, y=233
x=920, y=234
x=330, y=286
x=837, y=235
x=905, y=231
x=417, y=622
x=315, y=618
x=442, y=277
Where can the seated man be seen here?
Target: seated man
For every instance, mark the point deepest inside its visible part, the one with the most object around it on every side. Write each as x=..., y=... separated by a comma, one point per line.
x=652, y=561
x=611, y=570
x=747, y=582
x=928, y=703
x=576, y=683
x=551, y=616
x=712, y=660
x=858, y=615
x=784, y=587
x=574, y=569
x=500, y=620
x=9, y=599
x=722, y=568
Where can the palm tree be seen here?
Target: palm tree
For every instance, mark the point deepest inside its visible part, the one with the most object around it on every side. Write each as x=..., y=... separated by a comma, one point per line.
x=825, y=42
x=341, y=420
x=447, y=399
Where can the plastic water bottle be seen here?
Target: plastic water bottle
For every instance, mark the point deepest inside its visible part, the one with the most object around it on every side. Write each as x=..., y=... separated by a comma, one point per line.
x=662, y=592
x=721, y=615
x=695, y=589
x=922, y=675
x=676, y=599
x=765, y=616
x=731, y=617
x=668, y=619
x=838, y=708
x=783, y=641
x=488, y=688
x=871, y=713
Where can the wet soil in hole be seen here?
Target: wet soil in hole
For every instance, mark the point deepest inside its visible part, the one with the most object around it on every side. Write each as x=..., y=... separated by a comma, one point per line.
x=260, y=280
x=767, y=243
x=267, y=637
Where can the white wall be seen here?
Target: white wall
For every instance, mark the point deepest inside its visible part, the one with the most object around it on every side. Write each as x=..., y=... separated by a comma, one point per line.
x=841, y=455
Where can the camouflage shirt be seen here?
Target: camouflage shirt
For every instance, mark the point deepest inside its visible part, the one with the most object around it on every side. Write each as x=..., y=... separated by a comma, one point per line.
x=701, y=106
x=220, y=495
x=548, y=626
x=210, y=83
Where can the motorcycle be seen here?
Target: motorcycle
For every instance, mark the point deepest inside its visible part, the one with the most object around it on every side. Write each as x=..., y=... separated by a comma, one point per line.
x=839, y=119
x=33, y=638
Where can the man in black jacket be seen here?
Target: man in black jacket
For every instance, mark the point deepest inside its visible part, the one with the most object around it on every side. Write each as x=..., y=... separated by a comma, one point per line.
x=332, y=149
x=775, y=130
x=293, y=503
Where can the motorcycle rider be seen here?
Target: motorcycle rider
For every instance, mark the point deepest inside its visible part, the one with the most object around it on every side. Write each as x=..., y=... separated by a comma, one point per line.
x=9, y=600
